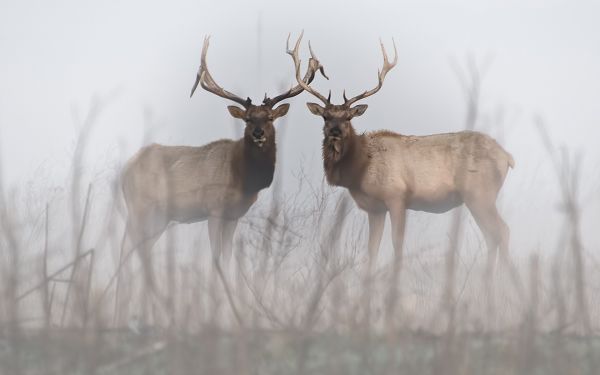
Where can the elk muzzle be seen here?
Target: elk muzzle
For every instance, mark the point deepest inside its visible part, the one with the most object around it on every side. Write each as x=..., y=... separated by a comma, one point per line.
x=258, y=137
x=335, y=132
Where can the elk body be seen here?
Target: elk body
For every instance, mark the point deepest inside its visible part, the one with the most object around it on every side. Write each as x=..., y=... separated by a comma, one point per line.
x=217, y=182
x=389, y=172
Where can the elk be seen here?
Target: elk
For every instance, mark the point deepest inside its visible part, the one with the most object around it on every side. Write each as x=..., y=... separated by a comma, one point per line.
x=389, y=172
x=217, y=182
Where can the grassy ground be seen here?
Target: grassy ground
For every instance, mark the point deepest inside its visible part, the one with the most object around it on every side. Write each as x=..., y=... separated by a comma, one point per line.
x=261, y=352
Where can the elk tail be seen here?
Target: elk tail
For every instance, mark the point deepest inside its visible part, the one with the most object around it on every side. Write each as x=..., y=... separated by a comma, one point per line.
x=511, y=161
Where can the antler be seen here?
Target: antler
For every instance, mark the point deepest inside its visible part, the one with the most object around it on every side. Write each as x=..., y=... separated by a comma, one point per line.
x=208, y=83
x=313, y=65
x=301, y=83
x=381, y=75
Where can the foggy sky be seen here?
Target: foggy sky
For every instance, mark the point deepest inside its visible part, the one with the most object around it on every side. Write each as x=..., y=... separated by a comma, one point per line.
x=142, y=57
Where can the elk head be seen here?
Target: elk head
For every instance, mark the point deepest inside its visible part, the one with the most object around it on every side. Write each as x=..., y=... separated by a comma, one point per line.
x=337, y=129
x=258, y=118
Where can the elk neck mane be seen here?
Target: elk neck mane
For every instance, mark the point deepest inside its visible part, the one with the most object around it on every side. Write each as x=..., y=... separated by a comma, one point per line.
x=256, y=166
x=349, y=169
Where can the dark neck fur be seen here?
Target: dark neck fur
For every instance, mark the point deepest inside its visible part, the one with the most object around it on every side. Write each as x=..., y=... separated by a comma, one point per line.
x=256, y=165
x=348, y=170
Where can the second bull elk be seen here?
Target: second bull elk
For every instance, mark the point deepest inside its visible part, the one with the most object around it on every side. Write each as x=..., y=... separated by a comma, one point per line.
x=389, y=172
x=217, y=182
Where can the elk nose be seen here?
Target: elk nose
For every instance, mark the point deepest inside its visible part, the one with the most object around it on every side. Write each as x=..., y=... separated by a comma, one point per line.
x=258, y=133
x=335, y=132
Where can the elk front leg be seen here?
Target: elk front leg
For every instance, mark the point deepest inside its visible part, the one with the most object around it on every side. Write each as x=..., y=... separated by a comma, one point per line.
x=215, y=236
x=376, y=226
x=227, y=238
x=398, y=219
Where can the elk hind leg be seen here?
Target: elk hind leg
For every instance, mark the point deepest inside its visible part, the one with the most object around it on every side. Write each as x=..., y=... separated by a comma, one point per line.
x=215, y=235
x=143, y=235
x=497, y=235
x=495, y=231
x=143, y=238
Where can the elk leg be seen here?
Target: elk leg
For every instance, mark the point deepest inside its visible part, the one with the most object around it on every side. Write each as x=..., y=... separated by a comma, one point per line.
x=493, y=228
x=143, y=240
x=506, y=260
x=227, y=238
x=496, y=234
x=398, y=219
x=215, y=236
x=142, y=237
x=376, y=225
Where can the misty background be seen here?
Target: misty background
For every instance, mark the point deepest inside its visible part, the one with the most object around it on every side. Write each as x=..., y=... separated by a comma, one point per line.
x=140, y=58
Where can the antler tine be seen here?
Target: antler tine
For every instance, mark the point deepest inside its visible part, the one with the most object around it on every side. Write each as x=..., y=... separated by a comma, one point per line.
x=387, y=66
x=314, y=57
x=208, y=83
x=313, y=66
x=297, y=45
x=201, y=69
x=312, y=53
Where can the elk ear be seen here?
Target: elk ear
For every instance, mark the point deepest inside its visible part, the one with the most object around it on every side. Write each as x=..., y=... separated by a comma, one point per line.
x=280, y=111
x=315, y=109
x=236, y=112
x=358, y=110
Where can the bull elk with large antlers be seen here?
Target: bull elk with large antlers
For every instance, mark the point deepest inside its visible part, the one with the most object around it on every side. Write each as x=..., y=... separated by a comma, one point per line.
x=217, y=182
x=389, y=172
